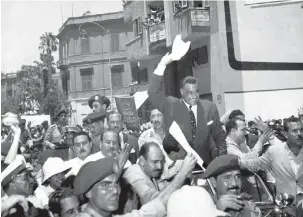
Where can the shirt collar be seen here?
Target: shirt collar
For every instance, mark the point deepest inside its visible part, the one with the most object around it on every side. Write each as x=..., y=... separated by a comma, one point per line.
x=187, y=105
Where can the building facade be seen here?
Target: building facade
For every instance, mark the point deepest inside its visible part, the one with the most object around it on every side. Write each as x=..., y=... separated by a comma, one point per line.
x=243, y=55
x=93, y=59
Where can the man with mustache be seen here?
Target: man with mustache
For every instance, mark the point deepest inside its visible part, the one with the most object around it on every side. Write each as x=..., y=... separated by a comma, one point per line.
x=115, y=123
x=285, y=160
x=157, y=132
x=109, y=147
x=99, y=183
x=198, y=119
x=226, y=177
x=151, y=176
x=95, y=122
x=82, y=146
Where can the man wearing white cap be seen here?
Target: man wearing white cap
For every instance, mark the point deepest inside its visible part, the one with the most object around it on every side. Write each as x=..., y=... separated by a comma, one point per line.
x=192, y=201
x=54, y=170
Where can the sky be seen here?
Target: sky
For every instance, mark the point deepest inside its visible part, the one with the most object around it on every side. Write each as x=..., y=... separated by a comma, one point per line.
x=23, y=22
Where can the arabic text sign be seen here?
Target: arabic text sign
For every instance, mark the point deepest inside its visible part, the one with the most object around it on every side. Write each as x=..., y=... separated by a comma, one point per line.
x=126, y=106
x=157, y=32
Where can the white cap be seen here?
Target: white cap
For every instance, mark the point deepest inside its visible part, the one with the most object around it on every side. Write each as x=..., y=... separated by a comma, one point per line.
x=190, y=201
x=53, y=166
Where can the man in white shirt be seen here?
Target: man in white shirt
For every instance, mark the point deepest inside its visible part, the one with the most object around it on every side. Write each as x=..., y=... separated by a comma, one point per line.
x=82, y=146
x=109, y=147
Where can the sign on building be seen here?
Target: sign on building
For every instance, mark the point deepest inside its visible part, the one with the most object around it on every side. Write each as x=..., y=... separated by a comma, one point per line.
x=200, y=17
x=157, y=32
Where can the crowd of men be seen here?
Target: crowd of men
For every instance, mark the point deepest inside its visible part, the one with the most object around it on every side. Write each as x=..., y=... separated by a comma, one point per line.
x=101, y=169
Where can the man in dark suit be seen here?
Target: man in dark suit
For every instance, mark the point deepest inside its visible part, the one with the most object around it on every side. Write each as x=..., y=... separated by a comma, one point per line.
x=198, y=119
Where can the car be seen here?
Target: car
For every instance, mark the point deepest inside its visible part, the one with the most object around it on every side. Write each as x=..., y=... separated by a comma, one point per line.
x=261, y=195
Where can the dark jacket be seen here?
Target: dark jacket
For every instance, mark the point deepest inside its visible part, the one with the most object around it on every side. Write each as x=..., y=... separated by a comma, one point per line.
x=208, y=127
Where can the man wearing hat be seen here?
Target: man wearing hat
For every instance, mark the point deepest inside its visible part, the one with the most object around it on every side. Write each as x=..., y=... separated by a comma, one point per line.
x=95, y=122
x=54, y=134
x=99, y=183
x=226, y=177
x=16, y=179
x=97, y=102
x=54, y=137
x=53, y=172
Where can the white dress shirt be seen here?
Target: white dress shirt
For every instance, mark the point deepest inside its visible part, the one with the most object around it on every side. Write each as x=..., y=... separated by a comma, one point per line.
x=194, y=108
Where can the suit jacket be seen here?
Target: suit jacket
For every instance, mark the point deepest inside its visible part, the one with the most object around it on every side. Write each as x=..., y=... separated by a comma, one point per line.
x=208, y=120
x=277, y=159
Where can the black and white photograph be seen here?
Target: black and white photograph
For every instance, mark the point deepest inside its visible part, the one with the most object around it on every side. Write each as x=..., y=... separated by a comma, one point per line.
x=116, y=108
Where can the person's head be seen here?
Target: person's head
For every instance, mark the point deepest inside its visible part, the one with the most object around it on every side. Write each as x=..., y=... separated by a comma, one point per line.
x=236, y=130
x=19, y=181
x=69, y=134
x=45, y=125
x=98, y=103
x=54, y=170
x=225, y=175
x=110, y=146
x=173, y=149
x=151, y=159
x=190, y=90
x=61, y=117
x=115, y=121
x=105, y=194
x=236, y=114
x=33, y=131
x=99, y=183
x=95, y=122
x=293, y=131
x=82, y=145
x=63, y=203
x=157, y=119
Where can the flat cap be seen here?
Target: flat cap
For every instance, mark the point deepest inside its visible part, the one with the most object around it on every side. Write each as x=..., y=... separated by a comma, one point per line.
x=22, y=121
x=44, y=122
x=91, y=173
x=222, y=164
x=101, y=99
x=95, y=116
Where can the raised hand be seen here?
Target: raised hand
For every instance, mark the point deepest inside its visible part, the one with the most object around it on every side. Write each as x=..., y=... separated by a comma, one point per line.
x=188, y=164
x=229, y=202
x=265, y=136
x=123, y=156
x=179, y=48
x=260, y=124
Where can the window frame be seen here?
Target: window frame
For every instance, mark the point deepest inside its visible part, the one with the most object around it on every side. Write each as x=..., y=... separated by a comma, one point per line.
x=85, y=75
x=84, y=37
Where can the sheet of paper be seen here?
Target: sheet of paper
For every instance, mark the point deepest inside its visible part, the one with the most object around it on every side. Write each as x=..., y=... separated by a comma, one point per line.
x=177, y=133
x=140, y=98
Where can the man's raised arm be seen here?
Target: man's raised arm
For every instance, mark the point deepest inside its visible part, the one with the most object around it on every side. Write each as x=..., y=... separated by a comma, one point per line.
x=156, y=91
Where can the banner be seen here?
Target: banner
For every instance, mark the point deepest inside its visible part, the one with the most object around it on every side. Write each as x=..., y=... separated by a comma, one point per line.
x=36, y=119
x=127, y=106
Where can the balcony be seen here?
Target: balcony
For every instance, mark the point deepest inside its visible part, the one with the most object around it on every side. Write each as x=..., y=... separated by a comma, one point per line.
x=192, y=23
x=157, y=38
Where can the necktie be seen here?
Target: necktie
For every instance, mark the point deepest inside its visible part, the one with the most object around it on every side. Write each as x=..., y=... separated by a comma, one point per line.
x=192, y=122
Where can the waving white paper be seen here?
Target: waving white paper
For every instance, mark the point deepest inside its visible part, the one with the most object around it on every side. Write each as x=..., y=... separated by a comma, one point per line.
x=179, y=48
x=140, y=98
x=177, y=133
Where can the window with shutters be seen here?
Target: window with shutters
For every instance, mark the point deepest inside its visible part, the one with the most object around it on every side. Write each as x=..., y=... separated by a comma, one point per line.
x=87, y=78
x=68, y=81
x=117, y=71
x=137, y=27
x=84, y=45
x=114, y=42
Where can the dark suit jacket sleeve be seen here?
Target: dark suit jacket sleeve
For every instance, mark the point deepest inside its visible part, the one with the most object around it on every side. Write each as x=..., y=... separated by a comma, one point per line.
x=156, y=92
x=218, y=133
